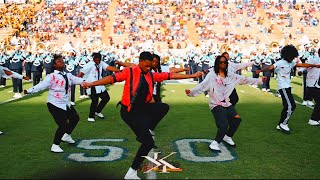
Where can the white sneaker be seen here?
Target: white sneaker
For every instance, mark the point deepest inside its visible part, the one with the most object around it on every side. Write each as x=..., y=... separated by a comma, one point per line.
x=100, y=115
x=268, y=90
x=255, y=86
x=313, y=122
x=214, y=146
x=56, y=148
x=72, y=103
x=264, y=89
x=284, y=127
x=131, y=174
x=82, y=96
x=91, y=119
x=2, y=86
x=1, y=133
x=310, y=103
x=67, y=138
x=228, y=140
x=207, y=95
x=15, y=95
x=86, y=96
x=278, y=127
x=19, y=95
x=305, y=103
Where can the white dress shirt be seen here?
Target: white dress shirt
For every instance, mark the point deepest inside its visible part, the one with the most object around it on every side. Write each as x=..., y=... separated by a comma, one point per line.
x=313, y=75
x=57, y=93
x=219, y=89
x=91, y=74
x=13, y=75
x=283, y=70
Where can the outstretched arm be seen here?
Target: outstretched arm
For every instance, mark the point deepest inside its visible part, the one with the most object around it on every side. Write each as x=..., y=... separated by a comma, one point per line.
x=113, y=69
x=200, y=88
x=177, y=70
x=104, y=81
x=39, y=87
x=307, y=65
x=15, y=75
x=268, y=68
x=186, y=76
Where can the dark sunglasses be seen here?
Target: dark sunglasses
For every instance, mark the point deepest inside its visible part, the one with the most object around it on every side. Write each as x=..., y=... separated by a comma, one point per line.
x=223, y=62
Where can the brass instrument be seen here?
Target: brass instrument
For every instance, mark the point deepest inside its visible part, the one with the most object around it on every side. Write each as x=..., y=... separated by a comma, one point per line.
x=225, y=48
x=274, y=44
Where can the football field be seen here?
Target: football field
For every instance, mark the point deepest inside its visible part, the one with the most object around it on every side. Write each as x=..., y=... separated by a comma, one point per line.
x=107, y=147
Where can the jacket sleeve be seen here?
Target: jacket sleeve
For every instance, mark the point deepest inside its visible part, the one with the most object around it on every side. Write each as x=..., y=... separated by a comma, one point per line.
x=121, y=76
x=159, y=77
x=202, y=87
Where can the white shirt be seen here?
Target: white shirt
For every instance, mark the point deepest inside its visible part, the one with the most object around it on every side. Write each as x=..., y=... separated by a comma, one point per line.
x=163, y=69
x=91, y=74
x=220, y=88
x=313, y=73
x=57, y=93
x=283, y=70
x=13, y=75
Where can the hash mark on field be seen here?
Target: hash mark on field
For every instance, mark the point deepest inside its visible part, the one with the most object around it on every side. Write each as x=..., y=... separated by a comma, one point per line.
x=8, y=100
x=242, y=91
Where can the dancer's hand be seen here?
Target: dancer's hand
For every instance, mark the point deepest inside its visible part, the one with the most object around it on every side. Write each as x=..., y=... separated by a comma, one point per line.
x=26, y=78
x=258, y=71
x=187, y=91
x=85, y=85
x=198, y=74
x=264, y=78
x=25, y=91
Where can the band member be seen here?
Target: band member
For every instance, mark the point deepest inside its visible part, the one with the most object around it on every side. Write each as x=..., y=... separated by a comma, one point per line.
x=136, y=109
x=66, y=117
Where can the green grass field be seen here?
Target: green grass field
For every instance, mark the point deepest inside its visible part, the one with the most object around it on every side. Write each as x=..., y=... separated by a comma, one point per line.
x=261, y=152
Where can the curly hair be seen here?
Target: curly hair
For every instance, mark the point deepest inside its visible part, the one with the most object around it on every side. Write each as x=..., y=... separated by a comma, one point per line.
x=216, y=65
x=289, y=52
x=55, y=58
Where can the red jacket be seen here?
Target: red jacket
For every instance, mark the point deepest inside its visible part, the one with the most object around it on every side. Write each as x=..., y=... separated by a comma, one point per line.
x=125, y=75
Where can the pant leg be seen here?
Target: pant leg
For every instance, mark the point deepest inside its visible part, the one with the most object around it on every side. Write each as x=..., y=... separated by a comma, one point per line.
x=221, y=118
x=73, y=118
x=60, y=117
x=234, y=98
x=266, y=84
x=288, y=105
x=3, y=81
x=315, y=94
x=34, y=79
x=255, y=75
x=234, y=123
x=156, y=111
x=19, y=81
x=105, y=98
x=82, y=91
x=138, y=121
x=306, y=94
x=73, y=89
x=94, y=102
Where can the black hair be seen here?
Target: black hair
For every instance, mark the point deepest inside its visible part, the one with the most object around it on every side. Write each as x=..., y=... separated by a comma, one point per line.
x=224, y=53
x=157, y=97
x=145, y=56
x=289, y=52
x=216, y=65
x=319, y=52
x=159, y=63
x=55, y=58
x=96, y=55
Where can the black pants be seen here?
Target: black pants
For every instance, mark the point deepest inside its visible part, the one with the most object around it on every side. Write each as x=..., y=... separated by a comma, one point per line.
x=72, y=95
x=288, y=105
x=266, y=84
x=3, y=81
x=226, y=122
x=61, y=117
x=17, y=83
x=255, y=75
x=140, y=120
x=306, y=94
x=315, y=94
x=82, y=91
x=234, y=98
x=94, y=107
x=36, y=76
